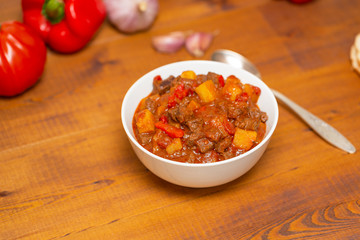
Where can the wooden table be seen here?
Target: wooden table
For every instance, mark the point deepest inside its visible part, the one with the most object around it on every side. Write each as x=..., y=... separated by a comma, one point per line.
x=68, y=171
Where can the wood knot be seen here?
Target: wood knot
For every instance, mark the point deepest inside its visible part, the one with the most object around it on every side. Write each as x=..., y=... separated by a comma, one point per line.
x=4, y=193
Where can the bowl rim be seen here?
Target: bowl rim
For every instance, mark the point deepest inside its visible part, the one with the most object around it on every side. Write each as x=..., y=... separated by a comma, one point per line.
x=195, y=165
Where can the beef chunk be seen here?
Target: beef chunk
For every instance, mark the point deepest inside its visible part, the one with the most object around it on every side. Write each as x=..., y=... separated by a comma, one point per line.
x=191, y=158
x=235, y=110
x=192, y=138
x=200, y=78
x=145, y=138
x=150, y=104
x=213, y=77
x=195, y=124
x=263, y=117
x=213, y=134
x=174, y=113
x=210, y=157
x=254, y=113
x=164, y=141
x=247, y=123
x=163, y=86
x=180, y=113
x=204, y=145
x=223, y=144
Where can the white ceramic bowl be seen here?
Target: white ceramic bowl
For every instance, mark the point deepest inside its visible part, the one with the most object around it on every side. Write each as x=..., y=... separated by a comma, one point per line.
x=205, y=174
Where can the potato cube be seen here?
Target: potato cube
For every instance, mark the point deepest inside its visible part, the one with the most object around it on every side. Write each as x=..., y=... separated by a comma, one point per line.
x=174, y=146
x=206, y=91
x=188, y=74
x=232, y=90
x=244, y=139
x=145, y=121
x=233, y=79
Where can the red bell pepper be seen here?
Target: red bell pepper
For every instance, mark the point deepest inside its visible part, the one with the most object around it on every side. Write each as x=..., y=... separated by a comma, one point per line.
x=171, y=131
x=22, y=58
x=65, y=25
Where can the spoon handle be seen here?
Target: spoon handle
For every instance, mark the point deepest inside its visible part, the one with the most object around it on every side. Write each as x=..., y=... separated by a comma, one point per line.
x=324, y=130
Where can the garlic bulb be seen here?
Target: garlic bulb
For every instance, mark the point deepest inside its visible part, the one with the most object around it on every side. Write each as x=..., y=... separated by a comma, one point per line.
x=197, y=43
x=355, y=54
x=169, y=43
x=131, y=16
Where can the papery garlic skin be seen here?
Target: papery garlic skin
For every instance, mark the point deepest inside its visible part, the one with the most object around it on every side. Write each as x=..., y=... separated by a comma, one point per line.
x=197, y=43
x=169, y=43
x=130, y=16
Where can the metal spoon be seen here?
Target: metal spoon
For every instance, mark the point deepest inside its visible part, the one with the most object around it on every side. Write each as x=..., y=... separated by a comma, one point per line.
x=324, y=130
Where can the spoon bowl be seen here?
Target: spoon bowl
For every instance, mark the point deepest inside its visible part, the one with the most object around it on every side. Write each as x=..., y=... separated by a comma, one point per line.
x=323, y=129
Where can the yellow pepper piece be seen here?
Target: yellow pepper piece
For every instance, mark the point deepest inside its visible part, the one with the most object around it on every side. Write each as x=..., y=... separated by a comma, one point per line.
x=188, y=74
x=174, y=146
x=232, y=90
x=145, y=121
x=206, y=91
x=244, y=139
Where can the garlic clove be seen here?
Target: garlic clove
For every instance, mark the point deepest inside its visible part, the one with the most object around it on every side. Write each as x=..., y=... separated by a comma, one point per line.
x=169, y=43
x=355, y=54
x=130, y=16
x=197, y=43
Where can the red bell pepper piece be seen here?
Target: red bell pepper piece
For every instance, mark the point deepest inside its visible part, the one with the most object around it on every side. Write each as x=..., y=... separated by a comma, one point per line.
x=171, y=101
x=157, y=78
x=163, y=119
x=22, y=58
x=221, y=81
x=172, y=131
x=65, y=25
x=179, y=93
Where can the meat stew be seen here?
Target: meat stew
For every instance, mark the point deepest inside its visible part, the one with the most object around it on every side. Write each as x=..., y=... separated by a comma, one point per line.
x=199, y=118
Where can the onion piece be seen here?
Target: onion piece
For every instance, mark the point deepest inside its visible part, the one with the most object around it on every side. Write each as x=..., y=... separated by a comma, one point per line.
x=197, y=43
x=169, y=43
x=131, y=16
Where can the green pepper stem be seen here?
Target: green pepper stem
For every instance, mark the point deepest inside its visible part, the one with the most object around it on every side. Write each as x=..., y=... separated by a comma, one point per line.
x=53, y=10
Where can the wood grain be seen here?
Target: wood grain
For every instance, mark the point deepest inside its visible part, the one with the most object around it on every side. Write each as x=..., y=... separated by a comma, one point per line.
x=68, y=171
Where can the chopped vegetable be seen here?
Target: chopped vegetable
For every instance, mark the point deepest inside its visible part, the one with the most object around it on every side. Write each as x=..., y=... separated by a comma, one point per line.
x=232, y=90
x=206, y=91
x=174, y=146
x=233, y=79
x=188, y=74
x=244, y=139
x=172, y=131
x=229, y=126
x=160, y=110
x=221, y=80
x=180, y=91
x=145, y=121
x=253, y=92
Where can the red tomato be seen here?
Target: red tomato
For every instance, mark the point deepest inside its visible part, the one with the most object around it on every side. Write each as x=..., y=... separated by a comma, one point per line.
x=22, y=58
